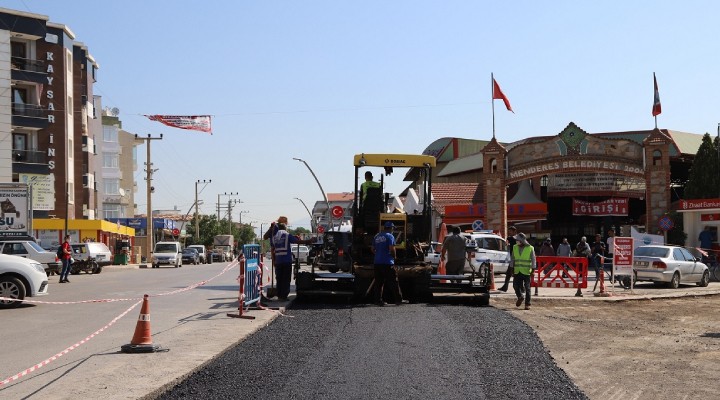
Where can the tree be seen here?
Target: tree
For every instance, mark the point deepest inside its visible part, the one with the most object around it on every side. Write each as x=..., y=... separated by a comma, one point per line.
x=704, y=176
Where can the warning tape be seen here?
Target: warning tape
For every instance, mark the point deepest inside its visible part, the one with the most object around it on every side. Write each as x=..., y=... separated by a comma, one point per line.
x=78, y=344
x=67, y=350
x=193, y=286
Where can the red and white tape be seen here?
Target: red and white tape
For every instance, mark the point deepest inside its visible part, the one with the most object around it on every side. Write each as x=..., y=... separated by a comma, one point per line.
x=67, y=350
x=78, y=344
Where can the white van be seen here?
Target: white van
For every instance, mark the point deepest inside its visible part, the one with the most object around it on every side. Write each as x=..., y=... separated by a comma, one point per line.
x=167, y=253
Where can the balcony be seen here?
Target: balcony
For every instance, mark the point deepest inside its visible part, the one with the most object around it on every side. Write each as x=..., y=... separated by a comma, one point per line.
x=30, y=162
x=27, y=70
x=29, y=116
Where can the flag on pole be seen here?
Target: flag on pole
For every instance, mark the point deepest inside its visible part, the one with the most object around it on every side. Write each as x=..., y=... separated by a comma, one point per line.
x=498, y=94
x=657, y=107
x=200, y=123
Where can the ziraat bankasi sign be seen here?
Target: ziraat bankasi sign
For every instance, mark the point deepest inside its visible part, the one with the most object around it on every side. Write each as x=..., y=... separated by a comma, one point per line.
x=551, y=167
x=699, y=204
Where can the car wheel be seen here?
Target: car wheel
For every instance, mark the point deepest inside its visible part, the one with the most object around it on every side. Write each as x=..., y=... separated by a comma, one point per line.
x=705, y=281
x=675, y=281
x=13, y=288
x=333, y=269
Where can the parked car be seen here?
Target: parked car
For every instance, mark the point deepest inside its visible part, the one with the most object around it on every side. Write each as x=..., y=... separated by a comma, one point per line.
x=486, y=246
x=95, y=250
x=167, y=253
x=30, y=249
x=19, y=278
x=190, y=256
x=669, y=265
x=335, y=254
x=202, y=252
x=300, y=252
x=218, y=255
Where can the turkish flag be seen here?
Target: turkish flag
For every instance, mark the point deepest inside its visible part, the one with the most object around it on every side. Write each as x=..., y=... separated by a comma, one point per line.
x=657, y=107
x=498, y=94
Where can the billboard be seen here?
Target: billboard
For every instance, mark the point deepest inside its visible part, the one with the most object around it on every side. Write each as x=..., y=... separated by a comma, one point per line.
x=15, y=210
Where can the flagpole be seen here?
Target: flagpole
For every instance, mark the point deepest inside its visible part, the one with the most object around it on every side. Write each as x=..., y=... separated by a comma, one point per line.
x=492, y=96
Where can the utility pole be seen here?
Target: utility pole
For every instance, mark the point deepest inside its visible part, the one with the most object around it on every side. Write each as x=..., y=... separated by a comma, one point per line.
x=240, y=216
x=218, y=203
x=149, y=172
x=197, y=223
x=229, y=207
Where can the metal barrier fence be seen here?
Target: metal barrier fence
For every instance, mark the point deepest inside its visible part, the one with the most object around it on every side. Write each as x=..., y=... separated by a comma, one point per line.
x=561, y=272
x=250, y=279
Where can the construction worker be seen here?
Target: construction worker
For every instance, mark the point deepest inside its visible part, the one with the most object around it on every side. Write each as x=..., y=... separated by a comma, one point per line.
x=369, y=183
x=282, y=241
x=511, y=243
x=523, y=262
x=385, y=274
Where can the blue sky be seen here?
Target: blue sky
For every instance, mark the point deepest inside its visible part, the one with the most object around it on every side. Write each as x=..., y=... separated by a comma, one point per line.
x=324, y=80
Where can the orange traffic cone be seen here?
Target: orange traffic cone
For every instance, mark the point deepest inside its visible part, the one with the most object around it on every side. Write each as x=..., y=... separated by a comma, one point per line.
x=142, y=339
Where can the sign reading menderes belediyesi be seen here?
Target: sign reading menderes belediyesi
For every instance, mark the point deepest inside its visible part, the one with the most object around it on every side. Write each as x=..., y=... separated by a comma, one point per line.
x=14, y=209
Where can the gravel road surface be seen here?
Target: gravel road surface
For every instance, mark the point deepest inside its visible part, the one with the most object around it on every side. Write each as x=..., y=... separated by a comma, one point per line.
x=330, y=351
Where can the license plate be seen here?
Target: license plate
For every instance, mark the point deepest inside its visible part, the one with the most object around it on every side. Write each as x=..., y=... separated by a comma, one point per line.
x=640, y=263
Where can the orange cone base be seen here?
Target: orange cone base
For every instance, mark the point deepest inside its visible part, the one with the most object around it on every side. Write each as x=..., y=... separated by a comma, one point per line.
x=140, y=348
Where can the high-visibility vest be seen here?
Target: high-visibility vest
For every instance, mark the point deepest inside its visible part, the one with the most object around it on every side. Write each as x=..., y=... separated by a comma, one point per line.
x=280, y=240
x=523, y=261
x=368, y=184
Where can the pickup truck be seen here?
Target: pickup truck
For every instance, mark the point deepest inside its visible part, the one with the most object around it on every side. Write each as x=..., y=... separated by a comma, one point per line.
x=31, y=250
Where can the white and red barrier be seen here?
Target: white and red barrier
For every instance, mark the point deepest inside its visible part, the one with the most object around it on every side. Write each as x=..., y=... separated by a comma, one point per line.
x=561, y=272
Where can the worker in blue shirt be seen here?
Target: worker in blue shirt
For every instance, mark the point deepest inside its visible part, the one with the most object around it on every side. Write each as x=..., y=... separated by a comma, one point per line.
x=385, y=273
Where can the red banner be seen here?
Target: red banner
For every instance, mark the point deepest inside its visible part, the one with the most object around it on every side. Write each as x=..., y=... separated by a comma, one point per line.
x=609, y=207
x=200, y=123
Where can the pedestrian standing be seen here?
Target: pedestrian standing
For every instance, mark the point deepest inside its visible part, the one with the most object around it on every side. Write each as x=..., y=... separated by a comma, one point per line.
x=597, y=257
x=564, y=249
x=610, y=249
x=523, y=263
x=453, y=248
x=546, y=250
x=282, y=242
x=511, y=243
x=66, y=257
x=385, y=273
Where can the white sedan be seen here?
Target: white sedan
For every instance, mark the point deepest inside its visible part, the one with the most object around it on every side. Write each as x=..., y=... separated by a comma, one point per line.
x=34, y=281
x=670, y=265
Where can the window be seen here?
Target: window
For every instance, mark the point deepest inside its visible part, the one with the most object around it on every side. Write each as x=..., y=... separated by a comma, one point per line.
x=112, y=186
x=678, y=255
x=110, y=134
x=112, y=211
x=110, y=160
x=69, y=106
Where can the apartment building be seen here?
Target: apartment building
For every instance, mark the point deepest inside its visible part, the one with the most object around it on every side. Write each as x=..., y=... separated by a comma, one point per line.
x=48, y=122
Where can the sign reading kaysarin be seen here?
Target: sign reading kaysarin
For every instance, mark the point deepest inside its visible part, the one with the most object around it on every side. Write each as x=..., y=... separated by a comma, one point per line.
x=609, y=207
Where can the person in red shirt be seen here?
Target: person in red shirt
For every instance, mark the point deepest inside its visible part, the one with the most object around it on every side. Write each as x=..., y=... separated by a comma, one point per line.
x=67, y=251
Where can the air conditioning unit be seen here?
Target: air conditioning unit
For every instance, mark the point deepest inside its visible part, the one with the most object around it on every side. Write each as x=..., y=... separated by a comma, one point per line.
x=88, y=181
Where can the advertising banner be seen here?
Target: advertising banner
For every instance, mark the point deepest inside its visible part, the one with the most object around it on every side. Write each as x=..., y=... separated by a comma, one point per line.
x=15, y=211
x=623, y=256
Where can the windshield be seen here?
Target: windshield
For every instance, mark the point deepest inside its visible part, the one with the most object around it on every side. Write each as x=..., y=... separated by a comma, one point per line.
x=165, y=248
x=189, y=251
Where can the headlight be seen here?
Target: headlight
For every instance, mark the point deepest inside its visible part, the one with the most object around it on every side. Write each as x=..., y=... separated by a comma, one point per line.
x=38, y=267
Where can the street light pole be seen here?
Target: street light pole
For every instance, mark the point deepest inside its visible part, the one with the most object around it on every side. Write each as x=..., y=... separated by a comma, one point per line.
x=309, y=213
x=197, y=223
x=327, y=203
x=149, y=170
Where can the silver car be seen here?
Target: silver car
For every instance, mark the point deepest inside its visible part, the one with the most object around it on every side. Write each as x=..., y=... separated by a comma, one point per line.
x=670, y=265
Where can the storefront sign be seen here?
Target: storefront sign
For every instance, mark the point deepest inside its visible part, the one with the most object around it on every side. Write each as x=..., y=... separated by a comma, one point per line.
x=709, y=217
x=43, y=190
x=590, y=165
x=592, y=182
x=609, y=207
x=699, y=204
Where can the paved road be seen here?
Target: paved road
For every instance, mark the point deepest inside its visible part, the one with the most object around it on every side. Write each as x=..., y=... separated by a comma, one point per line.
x=412, y=351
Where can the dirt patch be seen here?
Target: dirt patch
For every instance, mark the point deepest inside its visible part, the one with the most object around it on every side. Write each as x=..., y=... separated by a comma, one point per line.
x=640, y=349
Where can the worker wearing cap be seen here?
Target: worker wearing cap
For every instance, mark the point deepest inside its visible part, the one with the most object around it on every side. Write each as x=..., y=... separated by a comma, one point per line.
x=385, y=274
x=282, y=240
x=523, y=262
